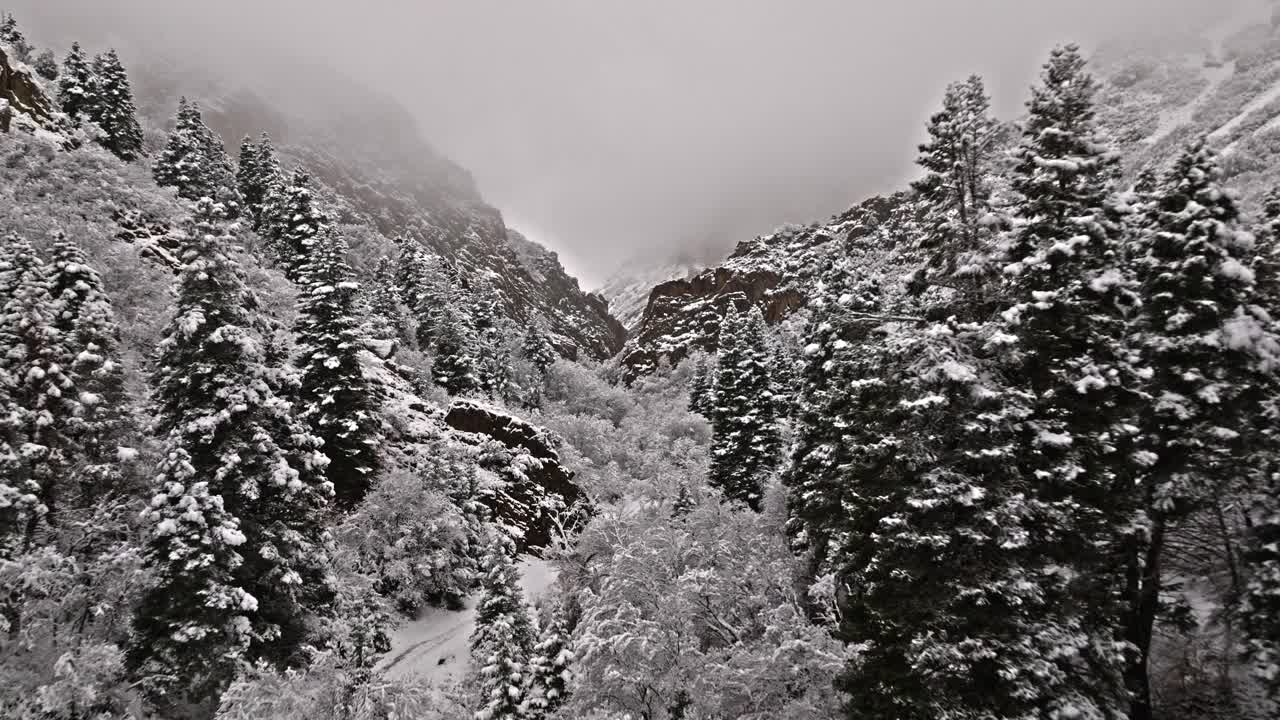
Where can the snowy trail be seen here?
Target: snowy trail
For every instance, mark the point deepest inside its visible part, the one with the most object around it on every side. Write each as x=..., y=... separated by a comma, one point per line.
x=435, y=646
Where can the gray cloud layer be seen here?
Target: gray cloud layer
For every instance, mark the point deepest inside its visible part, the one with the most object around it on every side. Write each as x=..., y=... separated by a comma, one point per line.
x=610, y=130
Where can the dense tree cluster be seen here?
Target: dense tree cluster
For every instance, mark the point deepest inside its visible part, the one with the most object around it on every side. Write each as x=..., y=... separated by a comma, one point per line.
x=195, y=162
x=1019, y=472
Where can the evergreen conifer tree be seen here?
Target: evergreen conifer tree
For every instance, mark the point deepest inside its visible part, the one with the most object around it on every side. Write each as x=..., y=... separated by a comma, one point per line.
x=113, y=109
x=954, y=603
x=1194, y=262
x=46, y=66
x=1065, y=343
x=82, y=313
x=386, y=317
x=248, y=174
x=296, y=224
x=701, y=395
x=77, y=87
x=195, y=626
x=217, y=405
x=491, y=357
x=428, y=284
x=537, y=349
x=745, y=439
x=453, y=365
x=503, y=638
x=259, y=179
x=11, y=35
x=195, y=162
x=955, y=189
x=337, y=402
x=549, y=672
x=42, y=394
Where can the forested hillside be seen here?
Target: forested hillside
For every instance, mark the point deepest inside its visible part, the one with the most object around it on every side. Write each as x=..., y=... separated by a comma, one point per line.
x=281, y=425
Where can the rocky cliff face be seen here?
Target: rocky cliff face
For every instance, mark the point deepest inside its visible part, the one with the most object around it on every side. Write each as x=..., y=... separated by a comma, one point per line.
x=628, y=289
x=21, y=98
x=774, y=272
x=372, y=167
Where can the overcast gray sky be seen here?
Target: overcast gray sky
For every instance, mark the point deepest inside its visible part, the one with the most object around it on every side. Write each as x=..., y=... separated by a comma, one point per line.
x=609, y=129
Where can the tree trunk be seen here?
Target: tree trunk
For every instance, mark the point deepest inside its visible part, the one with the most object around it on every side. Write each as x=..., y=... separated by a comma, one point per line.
x=1141, y=623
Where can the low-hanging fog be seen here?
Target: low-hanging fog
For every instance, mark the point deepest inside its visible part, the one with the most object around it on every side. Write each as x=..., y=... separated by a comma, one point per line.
x=614, y=130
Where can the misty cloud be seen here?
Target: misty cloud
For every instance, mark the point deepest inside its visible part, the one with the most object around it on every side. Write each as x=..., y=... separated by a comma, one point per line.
x=610, y=130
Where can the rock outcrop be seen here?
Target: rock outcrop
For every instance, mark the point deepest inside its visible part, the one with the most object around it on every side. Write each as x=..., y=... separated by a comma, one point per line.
x=20, y=93
x=536, y=495
x=774, y=272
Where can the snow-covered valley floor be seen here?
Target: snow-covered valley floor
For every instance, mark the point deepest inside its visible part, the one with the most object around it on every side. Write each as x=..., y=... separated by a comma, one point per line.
x=434, y=647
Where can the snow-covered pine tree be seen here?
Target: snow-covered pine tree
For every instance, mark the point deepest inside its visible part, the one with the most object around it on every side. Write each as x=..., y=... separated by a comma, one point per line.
x=42, y=394
x=336, y=401
x=1063, y=165
x=182, y=164
x=82, y=313
x=832, y=337
x=77, y=88
x=549, y=670
x=503, y=638
x=427, y=284
x=784, y=371
x=1065, y=343
x=46, y=65
x=385, y=314
x=195, y=162
x=113, y=109
x=953, y=604
x=701, y=397
x=192, y=630
x=1194, y=261
x=248, y=174
x=216, y=400
x=296, y=224
x=955, y=189
x=453, y=363
x=11, y=35
x=491, y=356
x=259, y=179
x=537, y=348
x=745, y=441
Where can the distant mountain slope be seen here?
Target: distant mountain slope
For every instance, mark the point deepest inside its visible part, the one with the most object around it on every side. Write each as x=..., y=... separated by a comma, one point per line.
x=774, y=272
x=628, y=289
x=372, y=166
x=1220, y=80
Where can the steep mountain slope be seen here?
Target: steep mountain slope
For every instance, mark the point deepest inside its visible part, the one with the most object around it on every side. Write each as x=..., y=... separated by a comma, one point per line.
x=47, y=185
x=1221, y=80
x=373, y=169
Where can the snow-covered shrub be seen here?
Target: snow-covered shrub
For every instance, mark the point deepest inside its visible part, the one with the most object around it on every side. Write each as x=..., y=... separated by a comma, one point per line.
x=324, y=692
x=676, y=620
x=410, y=535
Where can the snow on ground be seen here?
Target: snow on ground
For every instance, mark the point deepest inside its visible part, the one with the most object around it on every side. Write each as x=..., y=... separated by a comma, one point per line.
x=1182, y=114
x=1247, y=12
x=1257, y=103
x=435, y=647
